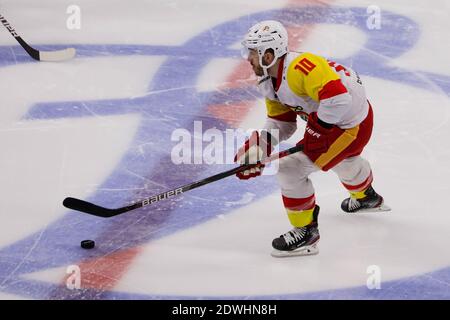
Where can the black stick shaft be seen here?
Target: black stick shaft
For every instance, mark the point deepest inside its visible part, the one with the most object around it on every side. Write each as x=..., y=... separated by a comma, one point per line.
x=31, y=51
x=219, y=176
x=87, y=207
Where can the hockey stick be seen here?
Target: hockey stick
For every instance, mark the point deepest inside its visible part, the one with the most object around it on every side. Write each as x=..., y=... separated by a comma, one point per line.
x=53, y=56
x=90, y=208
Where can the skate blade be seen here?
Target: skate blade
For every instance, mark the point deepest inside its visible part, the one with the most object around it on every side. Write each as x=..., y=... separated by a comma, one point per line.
x=381, y=208
x=303, y=251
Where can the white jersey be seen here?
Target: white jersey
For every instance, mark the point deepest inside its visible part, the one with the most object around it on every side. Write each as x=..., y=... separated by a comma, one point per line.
x=308, y=83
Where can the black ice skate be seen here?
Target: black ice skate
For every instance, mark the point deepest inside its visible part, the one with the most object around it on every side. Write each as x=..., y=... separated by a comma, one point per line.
x=299, y=241
x=372, y=202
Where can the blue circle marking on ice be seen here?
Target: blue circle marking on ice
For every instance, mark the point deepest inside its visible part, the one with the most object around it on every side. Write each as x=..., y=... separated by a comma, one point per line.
x=180, y=108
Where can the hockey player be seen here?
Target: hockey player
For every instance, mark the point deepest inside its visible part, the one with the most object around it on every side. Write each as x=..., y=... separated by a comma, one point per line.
x=332, y=100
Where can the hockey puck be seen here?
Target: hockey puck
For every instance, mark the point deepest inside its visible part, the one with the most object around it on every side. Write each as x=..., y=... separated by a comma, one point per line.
x=88, y=244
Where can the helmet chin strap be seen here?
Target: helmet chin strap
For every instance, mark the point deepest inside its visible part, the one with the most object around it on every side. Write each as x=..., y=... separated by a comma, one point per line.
x=266, y=68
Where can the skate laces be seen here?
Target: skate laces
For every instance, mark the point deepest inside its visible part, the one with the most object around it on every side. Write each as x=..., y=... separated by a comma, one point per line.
x=353, y=204
x=294, y=235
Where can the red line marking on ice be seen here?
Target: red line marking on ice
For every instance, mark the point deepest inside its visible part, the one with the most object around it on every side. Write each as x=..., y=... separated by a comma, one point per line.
x=105, y=272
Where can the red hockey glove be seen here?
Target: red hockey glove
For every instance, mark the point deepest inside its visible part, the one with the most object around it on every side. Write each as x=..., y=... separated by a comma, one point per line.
x=318, y=136
x=257, y=147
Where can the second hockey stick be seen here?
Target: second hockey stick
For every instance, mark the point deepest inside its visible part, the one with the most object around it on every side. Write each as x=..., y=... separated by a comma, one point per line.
x=58, y=55
x=93, y=209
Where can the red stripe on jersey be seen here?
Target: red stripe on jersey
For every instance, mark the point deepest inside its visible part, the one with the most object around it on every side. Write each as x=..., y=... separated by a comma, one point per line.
x=299, y=204
x=362, y=186
x=289, y=116
x=331, y=89
x=280, y=73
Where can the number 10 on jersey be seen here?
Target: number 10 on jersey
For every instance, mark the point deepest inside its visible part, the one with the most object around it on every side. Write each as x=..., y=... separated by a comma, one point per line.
x=305, y=66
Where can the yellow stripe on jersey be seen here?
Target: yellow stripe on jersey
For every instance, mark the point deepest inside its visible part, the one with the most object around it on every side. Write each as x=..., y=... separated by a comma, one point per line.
x=275, y=108
x=308, y=74
x=339, y=145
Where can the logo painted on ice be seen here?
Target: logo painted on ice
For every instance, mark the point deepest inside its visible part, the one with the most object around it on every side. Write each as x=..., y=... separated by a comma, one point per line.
x=164, y=103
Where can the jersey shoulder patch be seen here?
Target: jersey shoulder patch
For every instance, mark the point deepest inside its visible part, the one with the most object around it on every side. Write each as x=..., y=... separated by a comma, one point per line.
x=308, y=73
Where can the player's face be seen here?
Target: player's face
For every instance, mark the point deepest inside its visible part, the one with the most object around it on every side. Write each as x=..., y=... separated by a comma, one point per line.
x=253, y=58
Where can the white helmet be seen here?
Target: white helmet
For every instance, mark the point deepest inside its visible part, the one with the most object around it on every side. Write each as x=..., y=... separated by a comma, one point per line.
x=265, y=35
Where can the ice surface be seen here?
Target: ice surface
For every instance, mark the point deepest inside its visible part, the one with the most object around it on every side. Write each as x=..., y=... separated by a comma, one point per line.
x=100, y=127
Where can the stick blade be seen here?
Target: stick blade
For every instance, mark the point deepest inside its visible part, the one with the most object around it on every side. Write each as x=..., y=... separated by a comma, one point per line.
x=60, y=55
x=87, y=207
